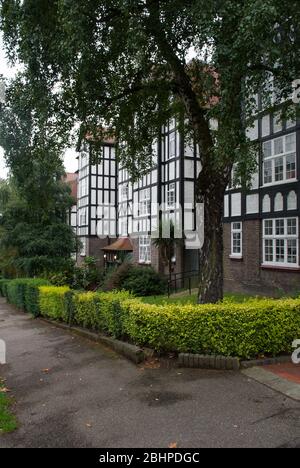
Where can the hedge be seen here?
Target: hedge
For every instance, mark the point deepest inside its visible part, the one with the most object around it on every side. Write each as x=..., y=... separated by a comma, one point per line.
x=244, y=330
x=3, y=287
x=24, y=293
x=32, y=295
x=101, y=311
x=54, y=302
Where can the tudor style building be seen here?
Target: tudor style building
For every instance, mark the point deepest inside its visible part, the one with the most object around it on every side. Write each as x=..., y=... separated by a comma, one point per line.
x=111, y=206
x=261, y=227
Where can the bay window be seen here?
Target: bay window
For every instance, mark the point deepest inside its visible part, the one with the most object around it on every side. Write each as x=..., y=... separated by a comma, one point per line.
x=280, y=242
x=279, y=160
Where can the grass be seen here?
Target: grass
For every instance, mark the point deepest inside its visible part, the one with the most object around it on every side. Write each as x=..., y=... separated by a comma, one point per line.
x=8, y=421
x=185, y=298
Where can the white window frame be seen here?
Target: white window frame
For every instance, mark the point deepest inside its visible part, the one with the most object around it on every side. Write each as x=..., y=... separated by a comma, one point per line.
x=83, y=221
x=274, y=157
x=145, y=249
x=172, y=144
x=171, y=196
x=285, y=238
x=145, y=202
x=237, y=229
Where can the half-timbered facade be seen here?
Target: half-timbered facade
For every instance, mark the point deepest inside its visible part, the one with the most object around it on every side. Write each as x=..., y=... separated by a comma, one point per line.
x=97, y=202
x=261, y=226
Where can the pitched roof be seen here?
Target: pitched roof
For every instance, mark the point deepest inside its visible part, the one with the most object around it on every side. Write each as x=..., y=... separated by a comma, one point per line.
x=123, y=243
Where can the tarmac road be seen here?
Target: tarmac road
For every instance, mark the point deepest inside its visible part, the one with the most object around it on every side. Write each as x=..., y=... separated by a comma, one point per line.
x=70, y=392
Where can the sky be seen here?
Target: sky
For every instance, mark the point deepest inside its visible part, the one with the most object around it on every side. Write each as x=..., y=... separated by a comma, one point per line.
x=70, y=161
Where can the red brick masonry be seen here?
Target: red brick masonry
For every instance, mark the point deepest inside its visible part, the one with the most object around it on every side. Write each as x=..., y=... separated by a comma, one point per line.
x=287, y=371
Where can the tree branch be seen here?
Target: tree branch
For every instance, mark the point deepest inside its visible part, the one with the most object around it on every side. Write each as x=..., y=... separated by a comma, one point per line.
x=184, y=86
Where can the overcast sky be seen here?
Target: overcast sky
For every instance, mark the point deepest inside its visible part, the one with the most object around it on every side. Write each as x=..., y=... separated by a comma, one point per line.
x=8, y=72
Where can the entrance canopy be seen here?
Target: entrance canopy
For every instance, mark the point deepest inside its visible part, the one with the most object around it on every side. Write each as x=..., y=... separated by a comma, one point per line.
x=122, y=244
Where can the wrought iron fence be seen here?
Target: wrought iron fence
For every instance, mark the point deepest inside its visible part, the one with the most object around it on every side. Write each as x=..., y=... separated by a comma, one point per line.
x=182, y=281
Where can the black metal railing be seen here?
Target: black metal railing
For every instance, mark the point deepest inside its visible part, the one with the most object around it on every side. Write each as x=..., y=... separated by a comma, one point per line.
x=182, y=281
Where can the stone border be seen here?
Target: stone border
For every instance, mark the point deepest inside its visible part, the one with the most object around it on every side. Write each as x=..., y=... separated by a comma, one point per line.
x=203, y=361
x=131, y=352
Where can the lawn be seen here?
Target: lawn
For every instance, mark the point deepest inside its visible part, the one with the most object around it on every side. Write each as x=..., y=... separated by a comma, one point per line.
x=8, y=422
x=186, y=298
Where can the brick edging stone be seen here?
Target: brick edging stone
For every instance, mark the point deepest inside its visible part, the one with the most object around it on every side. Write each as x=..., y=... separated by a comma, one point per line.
x=188, y=360
x=132, y=352
x=203, y=361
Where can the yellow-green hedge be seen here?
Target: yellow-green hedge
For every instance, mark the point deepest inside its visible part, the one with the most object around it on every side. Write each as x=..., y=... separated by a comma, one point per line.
x=244, y=330
x=54, y=302
x=100, y=311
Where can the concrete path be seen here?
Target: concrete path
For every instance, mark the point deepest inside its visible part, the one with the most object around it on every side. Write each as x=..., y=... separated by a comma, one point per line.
x=72, y=393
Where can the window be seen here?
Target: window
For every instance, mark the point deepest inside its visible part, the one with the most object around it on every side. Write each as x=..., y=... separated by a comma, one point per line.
x=172, y=145
x=236, y=239
x=145, y=249
x=83, y=217
x=145, y=204
x=265, y=126
x=84, y=187
x=280, y=241
x=279, y=157
x=171, y=199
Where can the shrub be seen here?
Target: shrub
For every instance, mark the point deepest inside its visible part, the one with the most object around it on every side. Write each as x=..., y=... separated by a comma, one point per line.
x=53, y=302
x=16, y=292
x=101, y=311
x=144, y=281
x=115, y=277
x=3, y=287
x=32, y=295
x=244, y=330
x=24, y=293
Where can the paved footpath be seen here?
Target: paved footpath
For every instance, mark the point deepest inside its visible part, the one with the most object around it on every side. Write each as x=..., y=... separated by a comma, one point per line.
x=72, y=393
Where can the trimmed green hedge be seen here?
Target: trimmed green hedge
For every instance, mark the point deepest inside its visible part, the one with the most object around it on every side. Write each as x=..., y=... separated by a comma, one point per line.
x=101, y=311
x=244, y=330
x=54, y=302
x=24, y=293
x=32, y=295
x=3, y=287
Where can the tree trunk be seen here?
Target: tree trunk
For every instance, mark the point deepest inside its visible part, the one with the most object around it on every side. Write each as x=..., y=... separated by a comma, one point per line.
x=211, y=255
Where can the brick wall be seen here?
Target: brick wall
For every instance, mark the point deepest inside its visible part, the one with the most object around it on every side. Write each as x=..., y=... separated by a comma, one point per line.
x=94, y=249
x=247, y=275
